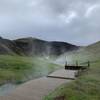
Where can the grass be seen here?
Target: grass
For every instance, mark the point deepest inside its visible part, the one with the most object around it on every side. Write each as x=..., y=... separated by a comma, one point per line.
x=17, y=69
x=87, y=86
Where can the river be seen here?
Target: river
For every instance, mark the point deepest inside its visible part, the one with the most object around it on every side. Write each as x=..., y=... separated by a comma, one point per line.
x=7, y=88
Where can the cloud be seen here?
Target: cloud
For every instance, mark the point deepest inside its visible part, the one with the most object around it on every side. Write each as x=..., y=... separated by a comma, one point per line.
x=91, y=9
x=75, y=21
x=69, y=17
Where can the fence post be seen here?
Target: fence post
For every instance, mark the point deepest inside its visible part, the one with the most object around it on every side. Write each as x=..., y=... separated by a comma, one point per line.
x=76, y=63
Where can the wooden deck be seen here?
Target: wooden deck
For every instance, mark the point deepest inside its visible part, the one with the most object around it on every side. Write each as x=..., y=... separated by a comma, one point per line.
x=64, y=74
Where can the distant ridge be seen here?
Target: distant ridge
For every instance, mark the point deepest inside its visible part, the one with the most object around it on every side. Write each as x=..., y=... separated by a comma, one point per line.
x=33, y=46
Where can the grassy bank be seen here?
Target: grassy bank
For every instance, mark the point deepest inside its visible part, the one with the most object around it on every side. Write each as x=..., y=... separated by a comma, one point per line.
x=17, y=69
x=86, y=87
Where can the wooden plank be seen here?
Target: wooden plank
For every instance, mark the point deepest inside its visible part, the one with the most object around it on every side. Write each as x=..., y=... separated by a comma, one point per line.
x=61, y=77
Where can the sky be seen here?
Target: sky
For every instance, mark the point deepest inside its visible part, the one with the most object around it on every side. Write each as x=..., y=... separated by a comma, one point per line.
x=73, y=21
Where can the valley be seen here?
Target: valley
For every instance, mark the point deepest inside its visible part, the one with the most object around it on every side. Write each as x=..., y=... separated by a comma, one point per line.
x=20, y=65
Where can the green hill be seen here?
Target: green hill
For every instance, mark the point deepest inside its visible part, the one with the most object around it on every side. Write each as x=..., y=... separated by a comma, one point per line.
x=88, y=53
x=94, y=49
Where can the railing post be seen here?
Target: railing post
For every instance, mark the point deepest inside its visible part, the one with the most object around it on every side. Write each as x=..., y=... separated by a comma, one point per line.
x=88, y=64
x=76, y=63
x=66, y=65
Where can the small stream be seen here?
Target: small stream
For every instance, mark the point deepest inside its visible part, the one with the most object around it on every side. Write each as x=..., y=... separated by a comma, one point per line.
x=7, y=88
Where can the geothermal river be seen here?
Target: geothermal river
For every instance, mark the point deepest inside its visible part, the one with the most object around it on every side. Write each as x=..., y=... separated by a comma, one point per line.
x=7, y=88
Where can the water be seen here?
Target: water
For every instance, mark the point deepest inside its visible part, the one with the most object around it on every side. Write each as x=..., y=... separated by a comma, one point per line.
x=7, y=88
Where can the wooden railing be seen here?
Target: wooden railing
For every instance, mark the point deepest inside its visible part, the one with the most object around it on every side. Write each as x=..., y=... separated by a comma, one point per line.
x=77, y=66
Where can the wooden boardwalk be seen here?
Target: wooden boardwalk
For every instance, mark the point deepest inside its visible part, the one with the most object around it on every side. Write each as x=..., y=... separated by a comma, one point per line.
x=64, y=74
x=38, y=88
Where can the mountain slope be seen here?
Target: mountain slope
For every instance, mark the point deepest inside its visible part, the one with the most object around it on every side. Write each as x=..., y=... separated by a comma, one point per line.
x=84, y=54
x=94, y=48
x=33, y=46
x=8, y=47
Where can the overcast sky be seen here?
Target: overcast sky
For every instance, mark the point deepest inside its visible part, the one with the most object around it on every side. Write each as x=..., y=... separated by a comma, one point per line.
x=74, y=21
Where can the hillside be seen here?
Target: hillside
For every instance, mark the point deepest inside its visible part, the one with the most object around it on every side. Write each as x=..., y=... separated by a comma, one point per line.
x=84, y=54
x=92, y=51
x=8, y=47
x=94, y=48
x=33, y=46
x=87, y=85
